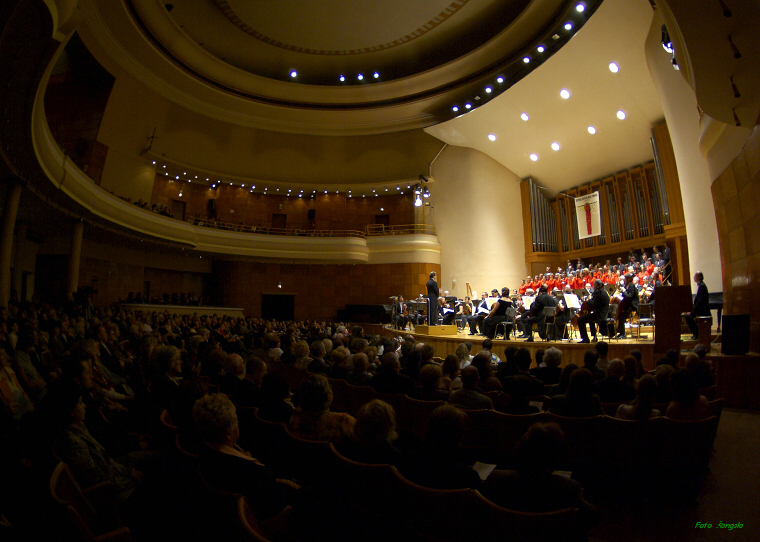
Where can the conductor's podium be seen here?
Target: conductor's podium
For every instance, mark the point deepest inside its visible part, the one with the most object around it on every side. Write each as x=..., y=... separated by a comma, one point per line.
x=436, y=330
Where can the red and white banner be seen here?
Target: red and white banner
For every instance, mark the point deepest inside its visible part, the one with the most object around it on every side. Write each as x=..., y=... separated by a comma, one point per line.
x=588, y=213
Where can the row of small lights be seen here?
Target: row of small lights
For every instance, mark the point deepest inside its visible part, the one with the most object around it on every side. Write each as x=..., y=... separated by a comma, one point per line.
x=580, y=8
x=252, y=187
x=342, y=78
x=565, y=94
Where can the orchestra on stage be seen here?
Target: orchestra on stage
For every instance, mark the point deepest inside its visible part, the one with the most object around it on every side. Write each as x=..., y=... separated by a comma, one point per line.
x=597, y=299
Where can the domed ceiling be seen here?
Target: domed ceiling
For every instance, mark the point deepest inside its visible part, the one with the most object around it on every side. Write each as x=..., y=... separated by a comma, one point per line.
x=331, y=67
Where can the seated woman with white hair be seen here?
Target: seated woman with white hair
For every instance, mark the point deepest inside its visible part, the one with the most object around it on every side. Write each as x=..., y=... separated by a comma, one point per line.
x=225, y=466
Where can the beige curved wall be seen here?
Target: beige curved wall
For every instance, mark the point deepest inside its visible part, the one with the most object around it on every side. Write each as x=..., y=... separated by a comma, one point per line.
x=680, y=107
x=476, y=210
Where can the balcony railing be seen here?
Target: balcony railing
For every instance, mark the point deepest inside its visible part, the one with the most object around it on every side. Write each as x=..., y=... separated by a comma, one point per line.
x=371, y=229
x=403, y=229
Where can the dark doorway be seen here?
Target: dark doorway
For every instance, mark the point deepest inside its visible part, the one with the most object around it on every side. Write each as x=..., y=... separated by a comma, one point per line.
x=178, y=209
x=385, y=220
x=51, y=277
x=279, y=220
x=278, y=306
x=146, y=291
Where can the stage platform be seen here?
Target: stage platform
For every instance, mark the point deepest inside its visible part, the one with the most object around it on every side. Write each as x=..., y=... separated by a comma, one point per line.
x=738, y=377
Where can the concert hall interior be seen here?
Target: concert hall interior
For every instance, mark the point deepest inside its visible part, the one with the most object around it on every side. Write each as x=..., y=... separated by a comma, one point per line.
x=315, y=160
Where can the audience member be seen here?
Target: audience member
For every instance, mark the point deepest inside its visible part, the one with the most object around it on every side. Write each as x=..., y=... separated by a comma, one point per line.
x=470, y=396
x=374, y=434
x=275, y=404
x=687, y=403
x=312, y=420
x=388, y=380
x=550, y=372
x=642, y=406
x=612, y=389
x=579, y=401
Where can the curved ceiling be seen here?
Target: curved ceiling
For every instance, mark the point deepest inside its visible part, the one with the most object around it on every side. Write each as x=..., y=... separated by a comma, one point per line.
x=616, y=33
x=232, y=59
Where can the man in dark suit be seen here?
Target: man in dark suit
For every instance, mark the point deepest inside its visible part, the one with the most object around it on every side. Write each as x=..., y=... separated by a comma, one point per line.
x=599, y=305
x=701, y=305
x=432, y=296
x=630, y=303
x=537, y=312
x=401, y=319
x=612, y=389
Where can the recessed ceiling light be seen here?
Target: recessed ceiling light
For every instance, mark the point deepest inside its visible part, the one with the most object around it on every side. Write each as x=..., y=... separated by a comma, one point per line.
x=564, y=93
x=614, y=67
x=154, y=162
x=568, y=26
x=242, y=185
x=499, y=80
x=294, y=73
x=382, y=209
x=488, y=90
x=254, y=186
x=580, y=8
x=177, y=177
x=455, y=109
x=184, y=173
x=376, y=75
x=555, y=146
x=398, y=188
x=360, y=77
x=591, y=130
x=342, y=78
x=534, y=157
x=492, y=137
x=164, y=165
x=621, y=114
x=540, y=49
x=524, y=116
x=468, y=106
x=526, y=59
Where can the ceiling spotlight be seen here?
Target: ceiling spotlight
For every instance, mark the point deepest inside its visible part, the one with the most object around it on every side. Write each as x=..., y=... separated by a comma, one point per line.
x=360, y=77
x=252, y=187
x=580, y=8
x=342, y=78
x=526, y=59
x=213, y=186
x=189, y=180
x=398, y=188
x=540, y=49
x=376, y=75
x=455, y=109
x=614, y=67
x=534, y=157
x=499, y=80
x=242, y=185
x=325, y=191
x=568, y=26
x=417, y=189
x=373, y=190
x=230, y=184
x=426, y=193
x=207, y=178
x=621, y=114
x=337, y=192
x=564, y=93
x=154, y=162
x=488, y=90
x=177, y=177
x=492, y=137
x=386, y=189
x=184, y=173
x=524, y=116
x=294, y=73
x=591, y=130
x=555, y=146
x=164, y=165
x=468, y=106
x=180, y=193
x=418, y=202
x=667, y=43
x=382, y=209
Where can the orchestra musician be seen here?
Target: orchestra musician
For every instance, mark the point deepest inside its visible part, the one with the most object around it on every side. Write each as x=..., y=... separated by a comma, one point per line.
x=445, y=312
x=402, y=314
x=629, y=304
x=537, y=313
x=497, y=315
x=564, y=314
x=464, y=310
x=595, y=311
x=473, y=320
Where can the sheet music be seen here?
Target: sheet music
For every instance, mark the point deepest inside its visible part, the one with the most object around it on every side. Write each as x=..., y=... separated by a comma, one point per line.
x=447, y=311
x=528, y=301
x=490, y=301
x=572, y=301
